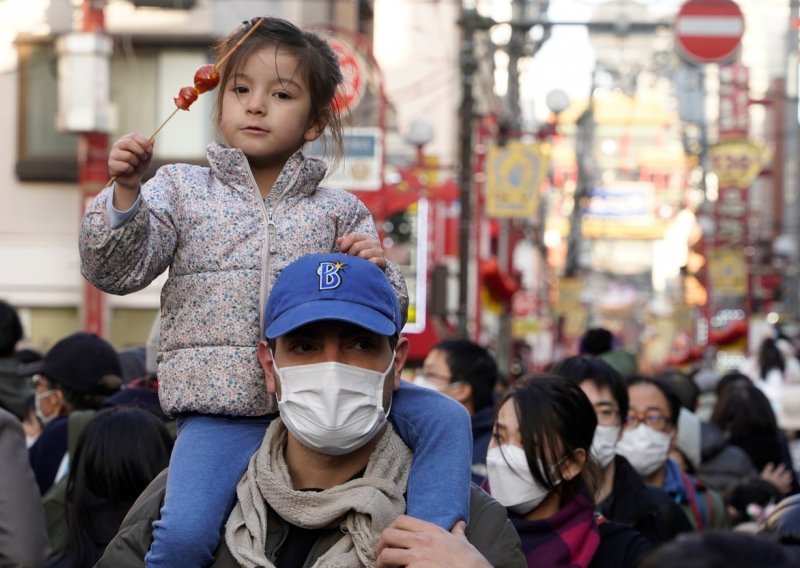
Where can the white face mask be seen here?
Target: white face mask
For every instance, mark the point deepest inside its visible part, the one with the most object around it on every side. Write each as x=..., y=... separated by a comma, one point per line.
x=511, y=481
x=37, y=406
x=645, y=448
x=421, y=381
x=604, y=444
x=332, y=408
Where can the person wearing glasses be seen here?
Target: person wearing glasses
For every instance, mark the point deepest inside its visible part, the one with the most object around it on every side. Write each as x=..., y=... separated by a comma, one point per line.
x=620, y=495
x=467, y=373
x=648, y=436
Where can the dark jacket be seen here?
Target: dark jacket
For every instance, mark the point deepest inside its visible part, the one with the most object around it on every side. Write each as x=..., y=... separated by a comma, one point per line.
x=23, y=538
x=723, y=464
x=620, y=546
x=48, y=451
x=14, y=389
x=633, y=503
x=482, y=424
x=489, y=531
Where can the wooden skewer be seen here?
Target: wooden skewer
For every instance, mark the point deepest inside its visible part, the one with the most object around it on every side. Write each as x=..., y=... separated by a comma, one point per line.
x=217, y=65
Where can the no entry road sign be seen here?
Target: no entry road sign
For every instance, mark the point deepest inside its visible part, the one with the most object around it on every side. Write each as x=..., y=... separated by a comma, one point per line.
x=708, y=31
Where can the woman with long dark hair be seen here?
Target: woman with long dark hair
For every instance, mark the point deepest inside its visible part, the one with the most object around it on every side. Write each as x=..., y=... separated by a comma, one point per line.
x=119, y=453
x=744, y=413
x=539, y=467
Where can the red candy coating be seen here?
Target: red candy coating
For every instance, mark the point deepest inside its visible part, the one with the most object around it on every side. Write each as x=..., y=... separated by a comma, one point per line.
x=206, y=78
x=186, y=96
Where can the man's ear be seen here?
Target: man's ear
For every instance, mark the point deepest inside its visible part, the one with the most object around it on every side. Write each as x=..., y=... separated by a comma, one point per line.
x=265, y=358
x=461, y=391
x=401, y=354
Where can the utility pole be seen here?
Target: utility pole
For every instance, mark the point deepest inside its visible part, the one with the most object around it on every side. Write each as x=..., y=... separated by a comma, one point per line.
x=791, y=172
x=92, y=175
x=584, y=144
x=469, y=23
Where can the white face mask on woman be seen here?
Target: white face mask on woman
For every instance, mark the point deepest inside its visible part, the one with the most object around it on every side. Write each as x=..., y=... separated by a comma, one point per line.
x=604, y=444
x=331, y=407
x=511, y=480
x=647, y=449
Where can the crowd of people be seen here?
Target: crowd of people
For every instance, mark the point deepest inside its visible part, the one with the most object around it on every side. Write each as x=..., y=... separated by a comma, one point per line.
x=277, y=429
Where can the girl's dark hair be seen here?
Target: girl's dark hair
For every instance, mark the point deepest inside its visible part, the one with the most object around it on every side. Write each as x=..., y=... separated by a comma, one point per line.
x=745, y=410
x=769, y=357
x=316, y=60
x=580, y=368
x=730, y=380
x=555, y=420
x=118, y=454
x=473, y=364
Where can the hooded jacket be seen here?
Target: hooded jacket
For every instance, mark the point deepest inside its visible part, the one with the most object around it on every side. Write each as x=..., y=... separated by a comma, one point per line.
x=224, y=245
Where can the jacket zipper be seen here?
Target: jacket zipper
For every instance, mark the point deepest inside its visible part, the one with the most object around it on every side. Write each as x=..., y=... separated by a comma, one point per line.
x=266, y=255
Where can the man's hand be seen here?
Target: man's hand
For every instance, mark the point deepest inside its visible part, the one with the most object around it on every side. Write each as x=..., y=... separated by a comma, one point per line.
x=356, y=244
x=416, y=543
x=779, y=476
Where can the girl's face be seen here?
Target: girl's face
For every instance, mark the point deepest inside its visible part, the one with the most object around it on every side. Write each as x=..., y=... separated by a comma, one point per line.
x=506, y=427
x=266, y=108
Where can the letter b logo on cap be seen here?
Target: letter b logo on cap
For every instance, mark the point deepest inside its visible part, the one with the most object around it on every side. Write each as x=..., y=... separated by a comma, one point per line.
x=329, y=277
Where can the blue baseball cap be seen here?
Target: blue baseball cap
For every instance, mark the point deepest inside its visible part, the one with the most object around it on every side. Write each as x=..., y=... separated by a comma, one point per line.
x=332, y=286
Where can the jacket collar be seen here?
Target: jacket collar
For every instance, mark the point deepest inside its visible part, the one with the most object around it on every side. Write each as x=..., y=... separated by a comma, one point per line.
x=300, y=173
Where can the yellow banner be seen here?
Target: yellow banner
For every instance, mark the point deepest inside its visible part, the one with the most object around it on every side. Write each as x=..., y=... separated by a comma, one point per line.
x=728, y=272
x=737, y=163
x=569, y=295
x=514, y=174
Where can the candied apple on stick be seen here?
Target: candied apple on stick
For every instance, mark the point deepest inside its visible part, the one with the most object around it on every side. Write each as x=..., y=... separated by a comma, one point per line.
x=186, y=96
x=206, y=78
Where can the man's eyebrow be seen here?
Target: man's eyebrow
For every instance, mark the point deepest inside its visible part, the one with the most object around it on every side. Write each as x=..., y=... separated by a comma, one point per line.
x=303, y=332
x=604, y=403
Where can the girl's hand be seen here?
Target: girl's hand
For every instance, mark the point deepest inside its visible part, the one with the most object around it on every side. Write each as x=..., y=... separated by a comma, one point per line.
x=128, y=160
x=415, y=543
x=364, y=246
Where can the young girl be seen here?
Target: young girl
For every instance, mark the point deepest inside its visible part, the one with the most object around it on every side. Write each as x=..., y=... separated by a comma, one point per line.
x=225, y=232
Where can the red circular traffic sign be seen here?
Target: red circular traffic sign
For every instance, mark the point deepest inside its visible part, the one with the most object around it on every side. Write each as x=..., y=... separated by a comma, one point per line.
x=709, y=31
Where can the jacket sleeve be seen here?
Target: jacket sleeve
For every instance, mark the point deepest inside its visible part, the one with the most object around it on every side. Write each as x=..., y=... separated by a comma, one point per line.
x=491, y=532
x=130, y=545
x=23, y=536
x=128, y=258
x=359, y=220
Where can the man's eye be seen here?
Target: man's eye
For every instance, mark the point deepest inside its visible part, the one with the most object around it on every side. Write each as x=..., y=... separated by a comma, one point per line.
x=301, y=347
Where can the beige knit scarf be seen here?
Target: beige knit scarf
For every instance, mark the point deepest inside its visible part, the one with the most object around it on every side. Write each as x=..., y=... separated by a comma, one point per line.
x=361, y=508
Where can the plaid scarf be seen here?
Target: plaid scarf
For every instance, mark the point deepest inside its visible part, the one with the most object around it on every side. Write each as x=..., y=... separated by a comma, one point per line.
x=568, y=539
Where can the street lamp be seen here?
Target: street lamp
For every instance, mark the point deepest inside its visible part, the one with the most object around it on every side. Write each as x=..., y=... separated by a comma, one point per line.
x=420, y=132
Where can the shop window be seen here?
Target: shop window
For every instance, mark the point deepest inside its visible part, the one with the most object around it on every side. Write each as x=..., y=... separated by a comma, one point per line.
x=144, y=80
